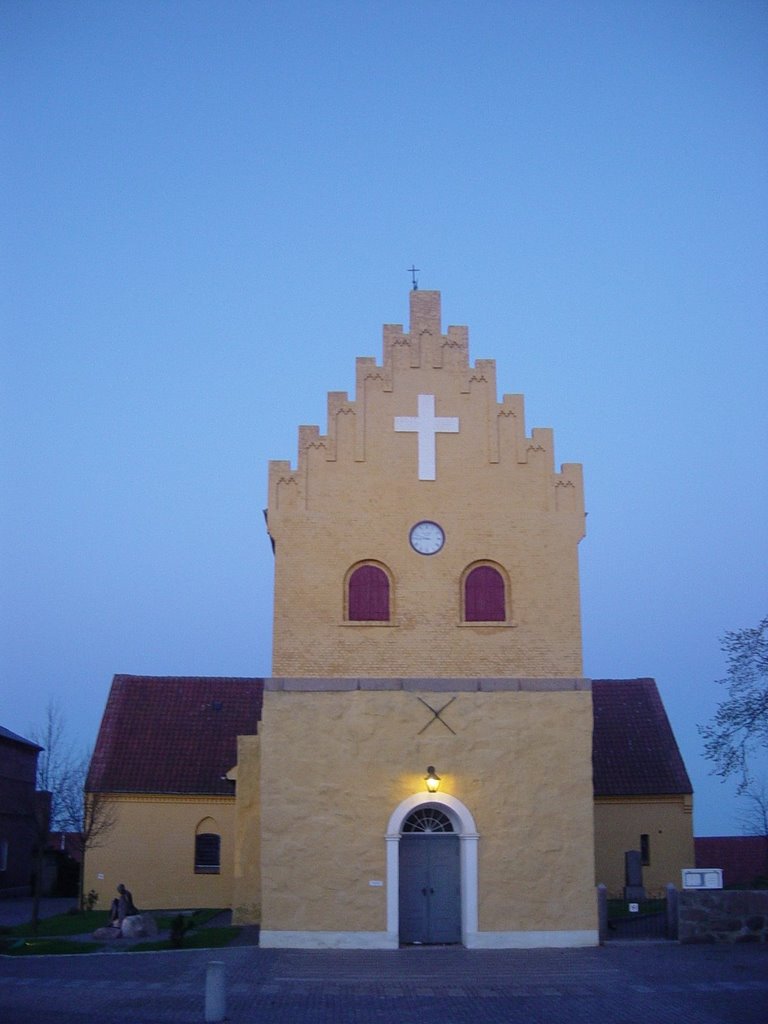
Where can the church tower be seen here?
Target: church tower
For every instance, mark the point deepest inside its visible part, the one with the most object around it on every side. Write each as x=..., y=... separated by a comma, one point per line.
x=425, y=534
x=423, y=768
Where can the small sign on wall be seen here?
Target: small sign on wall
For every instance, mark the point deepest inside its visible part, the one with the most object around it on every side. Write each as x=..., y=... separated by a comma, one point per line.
x=375, y=883
x=702, y=878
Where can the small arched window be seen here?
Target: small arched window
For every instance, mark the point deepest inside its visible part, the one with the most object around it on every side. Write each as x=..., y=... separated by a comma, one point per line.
x=427, y=819
x=484, y=595
x=368, y=595
x=207, y=853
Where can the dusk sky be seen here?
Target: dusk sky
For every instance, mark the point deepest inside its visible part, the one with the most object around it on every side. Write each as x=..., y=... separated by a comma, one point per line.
x=208, y=211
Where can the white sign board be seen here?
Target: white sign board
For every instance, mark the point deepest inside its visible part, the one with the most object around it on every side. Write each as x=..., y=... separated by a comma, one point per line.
x=702, y=878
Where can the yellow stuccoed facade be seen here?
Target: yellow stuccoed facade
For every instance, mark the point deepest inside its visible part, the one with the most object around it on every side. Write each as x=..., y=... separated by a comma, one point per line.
x=153, y=841
x=665, y=820
x=355, y=711
x=336, y=764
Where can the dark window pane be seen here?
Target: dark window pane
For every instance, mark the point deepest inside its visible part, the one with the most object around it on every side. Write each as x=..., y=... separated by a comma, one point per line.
x=207, y=853
x=645, y=849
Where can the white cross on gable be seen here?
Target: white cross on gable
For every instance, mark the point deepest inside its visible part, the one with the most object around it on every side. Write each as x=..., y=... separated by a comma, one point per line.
x=426, y=425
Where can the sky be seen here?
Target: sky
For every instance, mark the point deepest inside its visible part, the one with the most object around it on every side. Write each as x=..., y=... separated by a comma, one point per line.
x=208, y=211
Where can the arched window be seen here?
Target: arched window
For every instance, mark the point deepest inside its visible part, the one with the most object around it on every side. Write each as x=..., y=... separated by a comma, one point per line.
x=427, y=819
x=368, y=595
x=207, y=848
x=484, y=596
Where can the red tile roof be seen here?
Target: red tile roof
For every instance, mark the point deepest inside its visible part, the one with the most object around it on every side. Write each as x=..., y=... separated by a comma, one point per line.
x=634, y=751
x=169, y=734
x=179, y=735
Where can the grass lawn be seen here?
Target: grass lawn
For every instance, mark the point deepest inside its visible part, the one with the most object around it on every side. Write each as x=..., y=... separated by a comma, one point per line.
x=198, y=938
x=89, y=920
x=54, y=934
x=64, y=924
x=196, y=918
x=46, y=947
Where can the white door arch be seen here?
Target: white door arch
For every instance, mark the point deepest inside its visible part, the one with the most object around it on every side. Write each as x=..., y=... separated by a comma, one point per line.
x=464, y=825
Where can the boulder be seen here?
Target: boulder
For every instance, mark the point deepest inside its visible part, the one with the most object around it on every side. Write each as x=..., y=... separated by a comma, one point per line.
x=138, y=926
x=107, y=934
x=133, y=927
x=150, y=925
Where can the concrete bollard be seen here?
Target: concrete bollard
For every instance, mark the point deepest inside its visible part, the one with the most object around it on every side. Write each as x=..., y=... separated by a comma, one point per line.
x=602, y=911
x=215, y=994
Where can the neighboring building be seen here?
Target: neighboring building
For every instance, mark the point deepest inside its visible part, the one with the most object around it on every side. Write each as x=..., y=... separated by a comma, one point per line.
x=66, y=843
x=743, y=859
x=426, y=616
x=162, y=756
x=23, y=813
x=63, y=864
x=643, y=796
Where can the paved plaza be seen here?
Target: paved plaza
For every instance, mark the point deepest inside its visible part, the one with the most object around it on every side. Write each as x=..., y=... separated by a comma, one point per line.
x=620, y=983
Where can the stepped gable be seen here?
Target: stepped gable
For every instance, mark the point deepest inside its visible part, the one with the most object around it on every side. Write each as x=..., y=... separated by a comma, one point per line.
x=351, y=433
x=173, y=734
x=634, y=751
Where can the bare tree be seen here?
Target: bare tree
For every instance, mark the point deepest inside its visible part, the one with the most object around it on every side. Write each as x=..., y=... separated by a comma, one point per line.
x=90, y=817
x=753, y=818
x=740, y=725
x=54, y=764
x=60, y=771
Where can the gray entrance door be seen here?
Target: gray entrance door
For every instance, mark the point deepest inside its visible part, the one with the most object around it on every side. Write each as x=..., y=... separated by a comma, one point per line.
x=430, y=888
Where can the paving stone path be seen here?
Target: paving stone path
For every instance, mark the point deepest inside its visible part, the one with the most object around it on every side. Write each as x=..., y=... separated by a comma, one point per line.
x=622, y=983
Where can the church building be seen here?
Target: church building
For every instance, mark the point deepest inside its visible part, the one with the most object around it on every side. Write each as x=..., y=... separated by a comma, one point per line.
x=419, y=766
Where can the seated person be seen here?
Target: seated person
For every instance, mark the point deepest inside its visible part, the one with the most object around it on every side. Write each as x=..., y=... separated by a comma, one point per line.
x=122, y=907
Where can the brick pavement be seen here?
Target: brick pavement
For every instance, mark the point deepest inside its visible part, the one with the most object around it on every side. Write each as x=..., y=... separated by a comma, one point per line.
x=621, y=983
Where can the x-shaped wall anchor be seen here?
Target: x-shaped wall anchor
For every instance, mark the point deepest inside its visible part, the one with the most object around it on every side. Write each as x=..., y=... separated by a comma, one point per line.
x=436, y=716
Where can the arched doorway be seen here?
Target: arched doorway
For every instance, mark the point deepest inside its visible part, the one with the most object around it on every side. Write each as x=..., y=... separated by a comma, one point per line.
x=432, y=839
x=430, y=880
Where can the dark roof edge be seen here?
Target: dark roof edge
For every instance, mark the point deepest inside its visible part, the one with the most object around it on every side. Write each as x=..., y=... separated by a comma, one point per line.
x=14, y=737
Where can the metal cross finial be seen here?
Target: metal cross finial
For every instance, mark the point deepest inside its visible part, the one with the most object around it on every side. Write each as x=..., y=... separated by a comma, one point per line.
x=413, y=271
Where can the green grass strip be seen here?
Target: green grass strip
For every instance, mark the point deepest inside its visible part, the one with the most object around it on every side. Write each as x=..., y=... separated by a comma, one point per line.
x=48, y=947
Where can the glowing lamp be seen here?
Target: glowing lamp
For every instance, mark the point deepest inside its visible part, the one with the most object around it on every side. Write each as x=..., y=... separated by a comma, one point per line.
x=432, y=779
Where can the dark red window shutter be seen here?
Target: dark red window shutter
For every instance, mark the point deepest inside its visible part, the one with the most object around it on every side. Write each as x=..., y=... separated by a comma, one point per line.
x=369, y=595
x=484, y=595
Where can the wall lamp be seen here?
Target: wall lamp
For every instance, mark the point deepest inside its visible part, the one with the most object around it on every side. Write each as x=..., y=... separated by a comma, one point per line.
x=432, y=779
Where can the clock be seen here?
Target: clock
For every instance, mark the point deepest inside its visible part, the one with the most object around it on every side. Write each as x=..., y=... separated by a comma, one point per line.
x=426, y=537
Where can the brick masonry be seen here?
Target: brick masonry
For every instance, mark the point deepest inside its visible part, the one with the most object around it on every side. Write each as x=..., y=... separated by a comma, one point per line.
x=356, y=492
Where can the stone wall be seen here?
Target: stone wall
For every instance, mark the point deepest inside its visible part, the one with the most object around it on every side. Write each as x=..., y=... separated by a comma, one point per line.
x=723, y=915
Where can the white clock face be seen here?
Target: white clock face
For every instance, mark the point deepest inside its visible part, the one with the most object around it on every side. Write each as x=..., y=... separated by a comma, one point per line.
x=427, y=537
